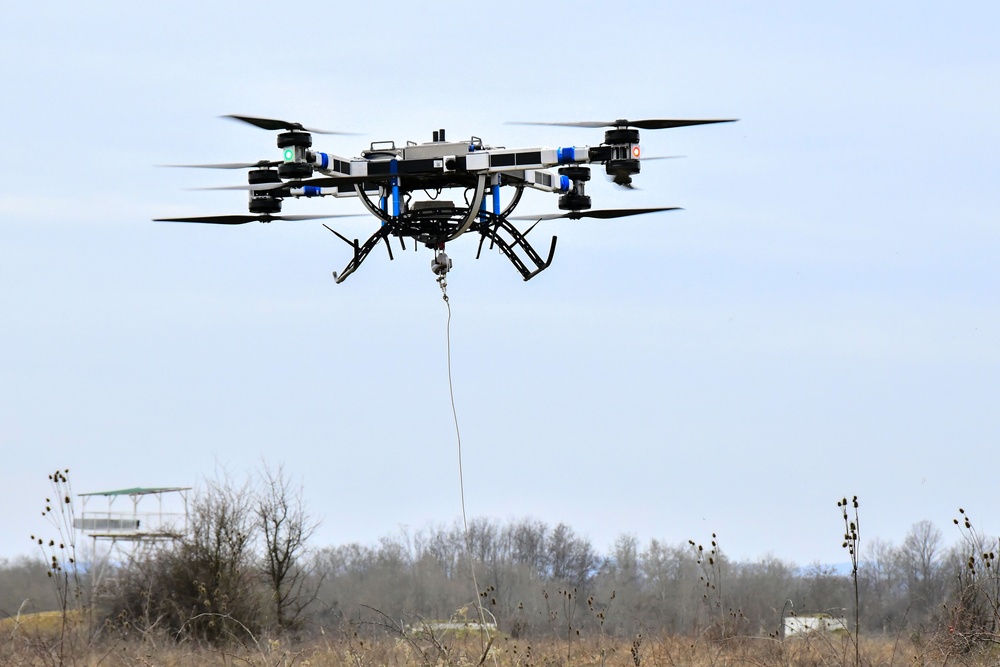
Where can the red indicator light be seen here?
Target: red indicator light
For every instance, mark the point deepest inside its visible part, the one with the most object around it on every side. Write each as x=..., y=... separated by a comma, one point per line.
x=635, y=152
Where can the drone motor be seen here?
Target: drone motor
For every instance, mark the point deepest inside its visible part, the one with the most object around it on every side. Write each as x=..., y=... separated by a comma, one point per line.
x=575, y=199
x=295, y=150
x=625, y=153
x=263, y=201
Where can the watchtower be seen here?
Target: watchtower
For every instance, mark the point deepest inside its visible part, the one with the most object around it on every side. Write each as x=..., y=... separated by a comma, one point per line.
x=129, y=527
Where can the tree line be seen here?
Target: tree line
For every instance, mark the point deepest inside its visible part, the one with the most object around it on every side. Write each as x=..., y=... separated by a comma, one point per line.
x=247, y=566
x=541, y=578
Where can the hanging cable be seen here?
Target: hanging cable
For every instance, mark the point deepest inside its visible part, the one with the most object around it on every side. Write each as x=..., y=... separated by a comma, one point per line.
x=440, y=265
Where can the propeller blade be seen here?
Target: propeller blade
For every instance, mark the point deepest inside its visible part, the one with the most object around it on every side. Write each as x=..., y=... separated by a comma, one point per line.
x=243, y=219
x=333, y=181
x=540, y=216
x=580, y=124
x=262, y=164
x=274, y=124
x=623, y=184
x=604, y=214
x=648, y=124
x=258, y=187
x=662, y=124
x=619, y=212
x=324, y=182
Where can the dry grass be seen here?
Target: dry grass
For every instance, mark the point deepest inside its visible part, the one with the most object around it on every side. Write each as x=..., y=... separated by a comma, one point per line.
x=348, y=649
x=44, y=623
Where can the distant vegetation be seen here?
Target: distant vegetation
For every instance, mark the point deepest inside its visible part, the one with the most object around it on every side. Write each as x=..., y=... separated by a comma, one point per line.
x=247, y=582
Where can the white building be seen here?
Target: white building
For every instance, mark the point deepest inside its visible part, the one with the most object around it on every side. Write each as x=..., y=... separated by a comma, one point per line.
x=797, y=625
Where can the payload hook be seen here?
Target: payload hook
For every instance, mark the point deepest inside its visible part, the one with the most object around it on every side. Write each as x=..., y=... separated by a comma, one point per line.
x=441, y=265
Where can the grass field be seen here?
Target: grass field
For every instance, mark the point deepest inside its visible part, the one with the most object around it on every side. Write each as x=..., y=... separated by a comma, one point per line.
x=31, y=641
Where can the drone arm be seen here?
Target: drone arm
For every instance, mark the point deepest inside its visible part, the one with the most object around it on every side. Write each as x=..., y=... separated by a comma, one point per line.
x=330, y=165
x=537, y=179
x=312, y=191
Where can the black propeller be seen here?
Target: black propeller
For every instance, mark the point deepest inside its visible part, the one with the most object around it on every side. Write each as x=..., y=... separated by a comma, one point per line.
x=648, y=124
x=323, y=182
x=243, y=219
x=262, y=164
x=334, y=181
x=273, y=124
x=604, y=214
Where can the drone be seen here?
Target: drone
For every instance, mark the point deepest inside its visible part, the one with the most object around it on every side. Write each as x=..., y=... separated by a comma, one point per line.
x=402, y=186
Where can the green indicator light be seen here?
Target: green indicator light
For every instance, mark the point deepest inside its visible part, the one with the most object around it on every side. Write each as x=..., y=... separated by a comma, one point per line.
x=289, y=154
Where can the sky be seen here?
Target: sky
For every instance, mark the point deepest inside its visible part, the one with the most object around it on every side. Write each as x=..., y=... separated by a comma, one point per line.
x=820, y=321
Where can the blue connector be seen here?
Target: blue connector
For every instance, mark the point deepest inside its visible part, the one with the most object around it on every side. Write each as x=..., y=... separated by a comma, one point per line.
x=394, y=169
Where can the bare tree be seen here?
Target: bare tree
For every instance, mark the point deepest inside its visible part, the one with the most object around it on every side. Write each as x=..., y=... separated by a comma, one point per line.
x=285, y=526
x=206, y=586
x=883, y=583
x=572, y=559
x=920, y=561
x=528, y=542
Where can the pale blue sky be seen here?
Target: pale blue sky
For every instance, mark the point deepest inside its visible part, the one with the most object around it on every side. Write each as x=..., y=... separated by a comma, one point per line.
x=822, y=320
